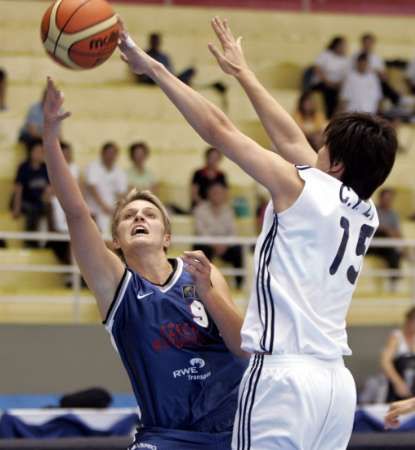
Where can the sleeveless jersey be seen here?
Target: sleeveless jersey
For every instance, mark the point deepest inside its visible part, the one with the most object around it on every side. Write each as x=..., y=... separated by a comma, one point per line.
x=307, y=261
x=182, y=374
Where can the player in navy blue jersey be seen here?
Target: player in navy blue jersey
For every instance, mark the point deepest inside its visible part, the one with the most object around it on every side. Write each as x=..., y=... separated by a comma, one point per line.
x=172, y=321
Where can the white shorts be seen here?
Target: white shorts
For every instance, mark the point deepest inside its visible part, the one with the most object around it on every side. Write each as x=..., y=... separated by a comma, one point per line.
x=294, y=402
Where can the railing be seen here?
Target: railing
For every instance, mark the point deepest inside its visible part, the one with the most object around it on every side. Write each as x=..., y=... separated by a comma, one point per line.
x=246, y=242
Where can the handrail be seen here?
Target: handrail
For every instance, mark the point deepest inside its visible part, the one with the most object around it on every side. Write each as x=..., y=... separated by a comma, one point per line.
x=245, y=242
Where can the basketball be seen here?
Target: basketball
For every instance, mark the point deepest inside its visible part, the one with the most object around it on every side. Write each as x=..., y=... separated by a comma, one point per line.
x=80, y=34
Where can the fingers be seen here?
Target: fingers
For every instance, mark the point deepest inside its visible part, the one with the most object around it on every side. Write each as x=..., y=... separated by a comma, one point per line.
x=124, y=58
x=215, y=52
x=220, y=31
x=239, y=43
x=198, y=256
x=64, y=115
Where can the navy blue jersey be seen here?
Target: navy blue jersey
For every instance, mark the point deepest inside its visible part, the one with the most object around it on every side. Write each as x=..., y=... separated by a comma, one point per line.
x=182, y=374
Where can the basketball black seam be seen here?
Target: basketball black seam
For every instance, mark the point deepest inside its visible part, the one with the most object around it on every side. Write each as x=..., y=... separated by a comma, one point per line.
x=78, y=52
x=66, y=23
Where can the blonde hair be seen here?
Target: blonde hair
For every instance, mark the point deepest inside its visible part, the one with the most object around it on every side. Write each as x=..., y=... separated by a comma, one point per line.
x=131, y=196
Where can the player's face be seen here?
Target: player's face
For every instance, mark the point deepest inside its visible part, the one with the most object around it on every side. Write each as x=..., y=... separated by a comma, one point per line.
x=141, y=225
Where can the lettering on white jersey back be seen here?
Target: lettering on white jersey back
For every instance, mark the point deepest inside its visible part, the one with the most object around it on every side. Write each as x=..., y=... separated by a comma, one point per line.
x=349, y=198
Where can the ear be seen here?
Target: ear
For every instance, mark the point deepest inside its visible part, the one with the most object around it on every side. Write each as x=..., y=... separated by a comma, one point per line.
x=167, y=240
x=116, y=244
x=337, y=170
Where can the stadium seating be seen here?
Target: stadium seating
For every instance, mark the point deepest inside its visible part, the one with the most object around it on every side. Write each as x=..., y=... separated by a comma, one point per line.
x=106, y=105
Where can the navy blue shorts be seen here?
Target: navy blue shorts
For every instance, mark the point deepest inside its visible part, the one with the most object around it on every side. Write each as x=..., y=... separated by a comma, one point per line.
x=166, y=439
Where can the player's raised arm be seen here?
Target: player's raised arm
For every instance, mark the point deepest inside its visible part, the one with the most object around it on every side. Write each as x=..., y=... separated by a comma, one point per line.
x=269, y=169
x=101, y=268
x=287, y=137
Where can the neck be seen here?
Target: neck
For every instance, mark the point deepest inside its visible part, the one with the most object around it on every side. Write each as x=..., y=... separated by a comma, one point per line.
x=153, y=266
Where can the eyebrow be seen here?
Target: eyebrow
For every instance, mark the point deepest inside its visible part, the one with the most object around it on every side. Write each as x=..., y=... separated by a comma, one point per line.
x=146, y=208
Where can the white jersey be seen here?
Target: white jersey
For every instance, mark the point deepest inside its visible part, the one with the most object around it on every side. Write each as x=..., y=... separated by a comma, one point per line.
x=307, y=261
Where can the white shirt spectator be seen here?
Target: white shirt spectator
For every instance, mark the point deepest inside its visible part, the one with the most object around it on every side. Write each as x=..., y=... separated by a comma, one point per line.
x=110, y=185
x=361, y=92
x=333, y=66
x=59, y=219
x=375, y=62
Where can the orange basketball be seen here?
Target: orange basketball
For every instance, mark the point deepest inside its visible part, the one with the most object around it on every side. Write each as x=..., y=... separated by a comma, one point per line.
x=80, y=34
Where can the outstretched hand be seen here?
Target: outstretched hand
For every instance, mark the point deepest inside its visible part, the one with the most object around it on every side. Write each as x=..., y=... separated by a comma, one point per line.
x=231, y=59
x=397, y=409
x=199, y=266
x=52, y=106
x=135, y=57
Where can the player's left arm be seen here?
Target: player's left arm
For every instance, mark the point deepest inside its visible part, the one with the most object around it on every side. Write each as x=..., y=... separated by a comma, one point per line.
x=215, y=294
x=277, y=175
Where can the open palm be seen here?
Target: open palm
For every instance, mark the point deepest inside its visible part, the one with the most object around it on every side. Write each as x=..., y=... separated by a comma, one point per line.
x=232, y=59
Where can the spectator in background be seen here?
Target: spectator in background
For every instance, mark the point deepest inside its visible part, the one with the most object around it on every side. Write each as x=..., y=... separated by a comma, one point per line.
x=310, y=119
x=410, y=76
x=3, y=87
x=105, y=184
x=389, y=227
x=207, y=175
x=376, y=64
x=361, y=90
x=215, y=217
x=330, y=70
x=398, y=360
x=138, y=175
x=31, y=190
x=33, y=126
x=58, y=223
x=154, y=50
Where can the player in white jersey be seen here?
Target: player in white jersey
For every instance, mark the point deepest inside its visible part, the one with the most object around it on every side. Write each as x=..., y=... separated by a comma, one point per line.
x=296, y=394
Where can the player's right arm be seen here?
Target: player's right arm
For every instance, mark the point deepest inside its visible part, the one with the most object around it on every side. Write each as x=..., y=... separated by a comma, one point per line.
x=399, y=385
x=287, y=137
x=101, y=268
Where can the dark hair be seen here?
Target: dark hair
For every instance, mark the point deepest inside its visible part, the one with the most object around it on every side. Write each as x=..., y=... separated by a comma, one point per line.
x=108, y=145
x=3, y=74
x=135, y=145
x=366, y=36
x=335, y=42
x=362, y=57
x=366, y=145
x=304, y=97
x=33, y=143
x=410, y=314
x=209, y=151
x=65, y=145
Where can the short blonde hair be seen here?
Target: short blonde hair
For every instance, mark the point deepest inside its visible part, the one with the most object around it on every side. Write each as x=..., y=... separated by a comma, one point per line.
x=131, y=196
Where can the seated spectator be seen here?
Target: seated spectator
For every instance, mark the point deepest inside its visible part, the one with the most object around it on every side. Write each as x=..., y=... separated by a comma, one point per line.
x=105, y=184
x=62, y=249
x=330, y=70
x=398, y=360
x=376, y=65
x=310, y=119
x=215, y=217
x=154, y=50
x=3, y=87
x=204, y=177
x=33, y=126
x=410, y=76
x=361, y=90
x=31, y=190
x=138, y=175
x=389, y=227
